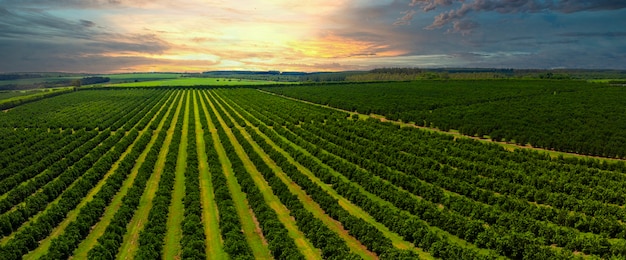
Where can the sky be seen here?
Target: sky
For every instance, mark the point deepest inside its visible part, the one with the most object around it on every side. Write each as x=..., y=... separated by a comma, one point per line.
x=112, y=36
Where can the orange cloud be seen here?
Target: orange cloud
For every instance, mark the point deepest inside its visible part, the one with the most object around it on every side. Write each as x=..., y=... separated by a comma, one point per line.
x=332, y=46
x=213, y=35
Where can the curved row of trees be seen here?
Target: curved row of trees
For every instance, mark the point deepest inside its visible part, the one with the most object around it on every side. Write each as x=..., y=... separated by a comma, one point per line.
x=94, y=109
x=357, y=227
x=277, y=236
x=56, y=185
x=478, y=203
x=39, y=95
x=443, y=180
x=52, y=154
x=331, y=245
x=398, y=221
x=570, y=116
x=526, y=180
x=83, y=177
x=61, y=247
x=21, y=147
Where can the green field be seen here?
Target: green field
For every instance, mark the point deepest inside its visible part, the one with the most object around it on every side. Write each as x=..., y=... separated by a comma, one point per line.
x=11, y=94
x=34, y=81
x=198, y=82
x=141, y=76
x=49, y=80
x=11, y=99
x=240, y=173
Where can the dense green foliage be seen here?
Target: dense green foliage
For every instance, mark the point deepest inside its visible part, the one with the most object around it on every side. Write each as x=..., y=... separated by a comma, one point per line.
x=94, y=80
x=274, y=231
x=443, y=197
x=230, y=225
x=109, y=242
x=373, y=238
x=83, y=109
x=193, y=228
x=421, y=172
x=13, y=99
x=570, y=116
x=63, y=245
x=153, y=234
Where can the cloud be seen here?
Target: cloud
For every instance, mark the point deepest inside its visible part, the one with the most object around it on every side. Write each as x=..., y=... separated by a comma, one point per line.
x=594, y=34
x=406, y=19
x=87, y=57
x=199, y=35
x=87, y=23
x=33, y=23
x=428, y=5
x=59, y=4
x=464, y=27
x=34, y=40
x=571, y=6
x=463, y=8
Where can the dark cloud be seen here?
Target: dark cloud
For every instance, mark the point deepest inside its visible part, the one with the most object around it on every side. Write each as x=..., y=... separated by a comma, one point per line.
x=87, y=23
x=40, y=26
x=594, y=34
x=406, y=19
x=33, y=23
x=33, y=40
x=553, y=58
x=523, y=41
x=465, y=7
x=463, y=26
x=483, y=33
x=523, y=38
x=428, y=5
x=571, y=6
x=72, y=57
x=54, y=4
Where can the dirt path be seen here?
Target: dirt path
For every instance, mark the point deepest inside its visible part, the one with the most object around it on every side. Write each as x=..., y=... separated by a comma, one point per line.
x=210, y=214
x=44, y=245
x=305, y=246
x=172, y=247
x=97, y=230
x=251, y=229
x=354, y=210
x=136, y=224
x=71, y=216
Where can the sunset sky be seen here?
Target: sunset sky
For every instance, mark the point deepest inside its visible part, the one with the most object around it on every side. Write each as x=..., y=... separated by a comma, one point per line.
x=201, y=35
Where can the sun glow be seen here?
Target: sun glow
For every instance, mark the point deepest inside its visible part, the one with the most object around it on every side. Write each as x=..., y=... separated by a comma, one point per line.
x=256, y=35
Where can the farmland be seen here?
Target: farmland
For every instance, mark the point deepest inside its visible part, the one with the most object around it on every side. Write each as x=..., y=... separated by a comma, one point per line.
x=197, y=82
x=239, y=173
x=24, y=81
x=570, y=116
x=9, y=99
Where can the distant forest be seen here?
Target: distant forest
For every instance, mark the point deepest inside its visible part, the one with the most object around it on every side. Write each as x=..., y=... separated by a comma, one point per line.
x=24, y=81
x=408, y=74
